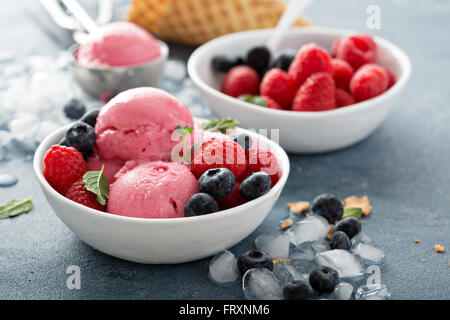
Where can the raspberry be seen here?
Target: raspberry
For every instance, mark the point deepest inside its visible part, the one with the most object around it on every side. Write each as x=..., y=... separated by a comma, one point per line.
x=240, y=80
x=279, y=86
x=310, y=59
x=316, y=94
x=219, y=153
x=368, y=82
x=357, y=50
x=234, y=199
x=343, y=98
x=62, y=167
x=271, y=104
x=342, y=73
x=78, y=193
x=262, y=160
x=392, y=77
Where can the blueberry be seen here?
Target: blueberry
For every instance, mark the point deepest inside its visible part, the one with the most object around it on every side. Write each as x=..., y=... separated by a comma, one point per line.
x=74, y=109
x=258, y=58
x=323, y=279
x=262, y=73
x=340, y=240
x=297, y=290
x=254, y=259
x=284, y=59
x=218, y=182
x=351, y=226
x=244, y=140
x=255, y=185
x=90, y=117
x=82, y=137
x=328, y=206
x=239, y=61
x=200, y=204
x=221, y=63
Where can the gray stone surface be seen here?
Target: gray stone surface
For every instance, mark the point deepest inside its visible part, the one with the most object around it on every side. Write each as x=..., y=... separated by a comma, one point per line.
x=404, y=168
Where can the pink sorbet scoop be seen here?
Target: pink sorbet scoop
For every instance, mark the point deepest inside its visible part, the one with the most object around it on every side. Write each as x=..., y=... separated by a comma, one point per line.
x=151, y=190
x=139, y=124
x=118, y=44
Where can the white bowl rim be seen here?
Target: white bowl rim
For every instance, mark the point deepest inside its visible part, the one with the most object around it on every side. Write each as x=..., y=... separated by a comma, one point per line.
x=55, y=136
x=164, y=54
x=396, y=51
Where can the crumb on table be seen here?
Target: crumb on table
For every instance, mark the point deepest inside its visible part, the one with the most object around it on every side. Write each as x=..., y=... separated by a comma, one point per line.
x=438, y=248
x=416, y=241
x=330, y=232
x=277, y=260
x=286, y=224
x=298, y=207
x=355, y=202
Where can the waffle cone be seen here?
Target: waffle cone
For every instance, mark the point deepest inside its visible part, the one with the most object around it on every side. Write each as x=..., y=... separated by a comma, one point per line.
x=197, y=21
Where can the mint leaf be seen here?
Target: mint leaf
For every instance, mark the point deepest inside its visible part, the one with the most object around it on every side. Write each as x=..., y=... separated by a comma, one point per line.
x=257, y=100
x=16, y=207
x=183, y=131
x=221, y=125
x=96, y=182
x=352, y=212
x=246, y=97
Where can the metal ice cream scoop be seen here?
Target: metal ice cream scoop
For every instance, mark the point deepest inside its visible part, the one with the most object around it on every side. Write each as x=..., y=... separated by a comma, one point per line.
x=102, y=82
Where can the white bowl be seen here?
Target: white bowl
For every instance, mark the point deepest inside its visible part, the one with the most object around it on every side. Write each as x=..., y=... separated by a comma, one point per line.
x=160, y=240
x=300, y=132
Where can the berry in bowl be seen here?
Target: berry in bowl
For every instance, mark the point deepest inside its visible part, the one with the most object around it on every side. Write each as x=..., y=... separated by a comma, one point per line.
x=141, y=180
x=324, y=89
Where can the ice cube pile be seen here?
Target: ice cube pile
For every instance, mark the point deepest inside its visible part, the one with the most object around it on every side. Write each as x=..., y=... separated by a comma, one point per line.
x=33, y=91
x=298, y=251
x=35, y=88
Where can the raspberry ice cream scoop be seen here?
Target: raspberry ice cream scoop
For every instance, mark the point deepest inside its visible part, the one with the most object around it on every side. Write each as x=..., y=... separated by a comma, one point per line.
x=151, y=190
x=139, y=124
x=118, y=44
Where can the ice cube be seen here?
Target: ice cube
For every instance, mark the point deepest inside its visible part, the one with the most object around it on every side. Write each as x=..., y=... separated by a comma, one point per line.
x=311, y=228
x=321, y=245
x=275, y=245
x=368, y=252
x=372, y=292
x=343, y=291
x=261, y=284
x=344, y=262
x=282, y=273
x=303, y=251
x=7, y=180
x=14, y=70
x=187, y=95
x=175, y=70
x=45, y=128
x=361, y=237
x=223, y=267
x=6, y=56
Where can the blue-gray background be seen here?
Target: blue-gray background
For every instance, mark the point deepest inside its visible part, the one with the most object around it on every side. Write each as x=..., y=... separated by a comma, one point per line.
x=404, y=168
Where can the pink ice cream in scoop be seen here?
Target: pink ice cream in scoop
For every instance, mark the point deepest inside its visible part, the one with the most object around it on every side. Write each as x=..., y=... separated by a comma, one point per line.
x=118, y=44
x=139, y=124
x=151, y=190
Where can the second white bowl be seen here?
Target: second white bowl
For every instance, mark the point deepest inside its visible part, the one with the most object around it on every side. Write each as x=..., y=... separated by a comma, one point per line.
x=299, y=132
